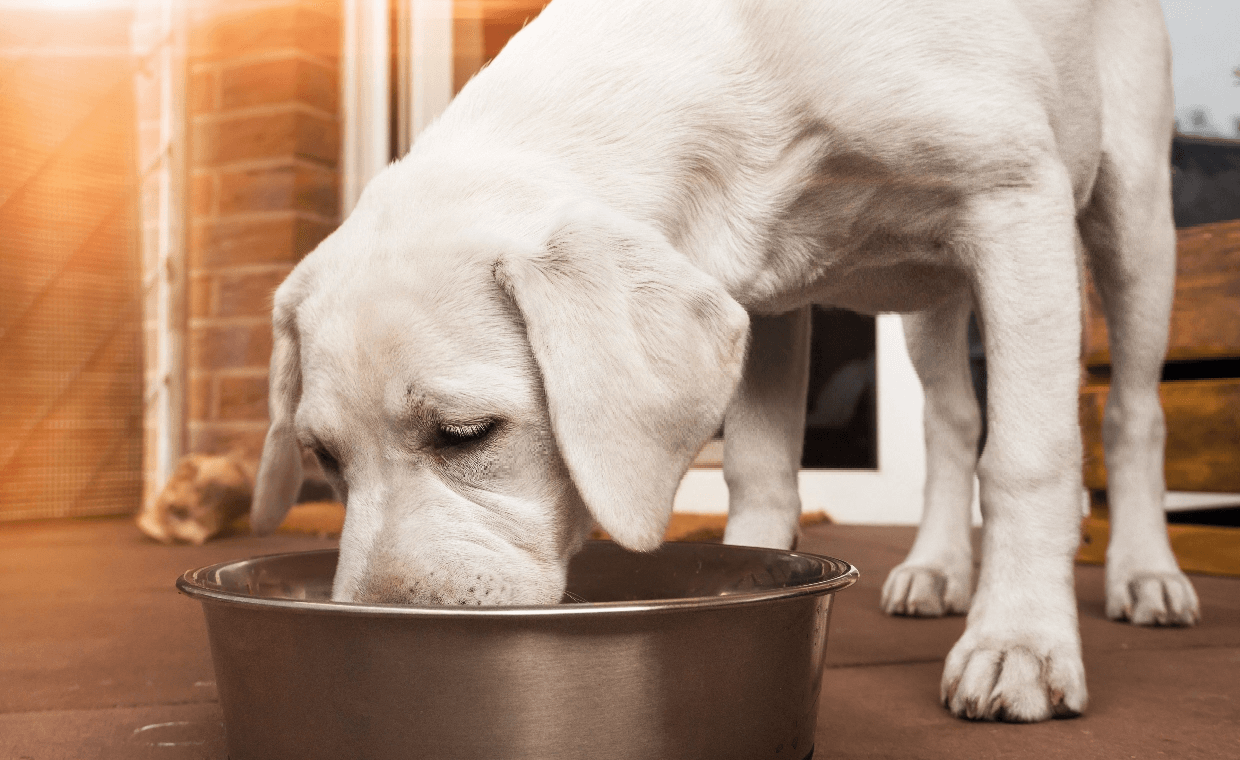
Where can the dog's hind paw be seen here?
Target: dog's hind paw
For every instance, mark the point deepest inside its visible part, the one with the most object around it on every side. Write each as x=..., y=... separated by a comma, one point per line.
x=1164, y=598
x=1017, y=682
x=921, y=591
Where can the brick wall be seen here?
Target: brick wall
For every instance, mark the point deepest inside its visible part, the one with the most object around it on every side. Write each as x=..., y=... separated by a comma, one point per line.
x=264, y=190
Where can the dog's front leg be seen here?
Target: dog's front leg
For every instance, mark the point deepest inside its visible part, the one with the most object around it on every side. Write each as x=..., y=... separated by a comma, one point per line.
x=937, y=576
x=763, y=433
x=1020, y=656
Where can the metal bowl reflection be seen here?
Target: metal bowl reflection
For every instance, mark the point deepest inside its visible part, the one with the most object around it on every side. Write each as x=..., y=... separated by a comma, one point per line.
x=692, y=651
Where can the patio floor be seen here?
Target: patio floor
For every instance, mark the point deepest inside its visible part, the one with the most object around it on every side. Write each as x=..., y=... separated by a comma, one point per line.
x=101, y=658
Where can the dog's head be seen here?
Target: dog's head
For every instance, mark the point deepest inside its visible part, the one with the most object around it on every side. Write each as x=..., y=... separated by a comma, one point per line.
x=204, y=494
x=480, y=402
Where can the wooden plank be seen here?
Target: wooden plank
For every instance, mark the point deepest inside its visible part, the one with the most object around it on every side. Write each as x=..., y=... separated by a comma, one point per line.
x=1092, y=405
x=1205, y=318
x=1203, y=435
x=1203, y=549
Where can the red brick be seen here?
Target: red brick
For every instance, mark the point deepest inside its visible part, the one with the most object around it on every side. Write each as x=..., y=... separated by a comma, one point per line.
x=247, y=137
x=318, y=138
x=225, y=243
x=250, y=190
x=234, y=346
x=259, y=83
x=284, y=80
x=245, y=32
x=317, y=28
x=305, y=188
x=317, y=191
x=200, y=286
x=275, y=134
x=250, y=107
x=198, y=399
x=243, y=398
x=202, y=194
x=310, y=26
x=248, y=294
x=203, y=134
x=318, y=85
x=309, y=233
x=206, y=438
x=203, y=95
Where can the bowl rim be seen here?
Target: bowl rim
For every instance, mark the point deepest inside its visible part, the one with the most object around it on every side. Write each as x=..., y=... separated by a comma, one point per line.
x=192, y=583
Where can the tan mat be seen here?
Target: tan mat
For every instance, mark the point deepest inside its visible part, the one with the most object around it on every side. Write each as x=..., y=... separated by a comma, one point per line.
x=1202, y=549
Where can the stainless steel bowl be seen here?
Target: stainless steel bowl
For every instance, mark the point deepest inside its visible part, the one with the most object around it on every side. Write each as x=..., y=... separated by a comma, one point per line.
x=693, y=651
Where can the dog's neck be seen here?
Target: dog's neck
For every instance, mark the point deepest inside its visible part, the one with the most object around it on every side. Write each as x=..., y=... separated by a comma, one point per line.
x=469, y=182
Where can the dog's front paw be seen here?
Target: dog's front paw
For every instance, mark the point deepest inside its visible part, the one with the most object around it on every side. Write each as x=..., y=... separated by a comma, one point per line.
x=924, y=591
x=1159, y=598
x=1020, y=679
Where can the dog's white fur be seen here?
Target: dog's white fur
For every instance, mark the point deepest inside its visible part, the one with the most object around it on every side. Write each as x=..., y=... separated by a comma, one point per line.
x=578, y=251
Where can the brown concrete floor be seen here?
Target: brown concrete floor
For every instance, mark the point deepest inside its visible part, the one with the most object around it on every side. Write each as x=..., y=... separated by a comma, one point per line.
x=101, y=658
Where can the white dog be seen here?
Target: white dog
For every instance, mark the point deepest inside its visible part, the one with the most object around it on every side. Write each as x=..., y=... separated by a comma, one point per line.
x=609, y=243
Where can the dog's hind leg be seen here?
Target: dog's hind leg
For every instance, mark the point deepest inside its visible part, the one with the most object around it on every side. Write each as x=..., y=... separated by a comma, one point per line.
x=763, y=433
x=937, y=576
x=1130, y=241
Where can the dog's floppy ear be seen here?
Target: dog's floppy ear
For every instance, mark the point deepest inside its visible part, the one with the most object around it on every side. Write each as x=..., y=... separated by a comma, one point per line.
x=640, y=353
x=279, y=471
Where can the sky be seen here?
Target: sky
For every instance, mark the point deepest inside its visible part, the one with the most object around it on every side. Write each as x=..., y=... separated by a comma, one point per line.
x=1205, y=49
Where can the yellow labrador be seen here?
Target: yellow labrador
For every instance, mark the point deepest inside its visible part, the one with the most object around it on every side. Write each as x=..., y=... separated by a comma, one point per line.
x=609, y=243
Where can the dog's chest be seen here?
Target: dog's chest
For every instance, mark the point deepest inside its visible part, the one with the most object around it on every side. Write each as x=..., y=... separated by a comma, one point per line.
x=848, y=230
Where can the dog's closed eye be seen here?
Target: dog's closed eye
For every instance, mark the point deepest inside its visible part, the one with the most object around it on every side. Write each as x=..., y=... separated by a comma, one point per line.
x=327, y=461
x=451, y=434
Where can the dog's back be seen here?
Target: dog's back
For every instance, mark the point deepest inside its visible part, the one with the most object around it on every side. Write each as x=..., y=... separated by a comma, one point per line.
x=749, y=126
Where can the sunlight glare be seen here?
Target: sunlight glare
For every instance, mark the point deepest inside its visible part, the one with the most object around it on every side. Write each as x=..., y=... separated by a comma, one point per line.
x=66, y=5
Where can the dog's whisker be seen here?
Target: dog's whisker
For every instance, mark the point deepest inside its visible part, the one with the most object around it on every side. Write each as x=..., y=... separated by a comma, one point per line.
x=574, y=597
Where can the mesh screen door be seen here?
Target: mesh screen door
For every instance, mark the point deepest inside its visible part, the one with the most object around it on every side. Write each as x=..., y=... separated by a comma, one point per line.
x=70, y=308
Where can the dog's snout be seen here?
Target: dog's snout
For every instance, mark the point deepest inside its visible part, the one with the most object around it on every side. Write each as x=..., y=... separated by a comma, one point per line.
x=389, y=588
x=432, y=588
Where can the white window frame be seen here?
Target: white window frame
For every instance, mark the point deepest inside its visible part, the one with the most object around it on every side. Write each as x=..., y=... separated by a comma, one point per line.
x=888, y=495
x=424, y=82
x=160, y=41
x=365, y=93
